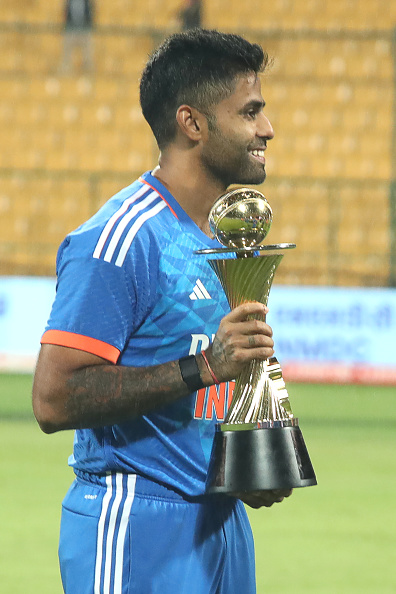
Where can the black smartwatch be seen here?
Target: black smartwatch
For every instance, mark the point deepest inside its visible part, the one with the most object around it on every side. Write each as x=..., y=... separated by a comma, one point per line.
x=190, y=373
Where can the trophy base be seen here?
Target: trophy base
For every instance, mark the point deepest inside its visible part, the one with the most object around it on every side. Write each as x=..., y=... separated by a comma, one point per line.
x=259, y=459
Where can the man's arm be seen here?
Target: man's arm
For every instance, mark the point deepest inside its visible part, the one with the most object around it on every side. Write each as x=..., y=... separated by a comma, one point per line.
x=75, y=389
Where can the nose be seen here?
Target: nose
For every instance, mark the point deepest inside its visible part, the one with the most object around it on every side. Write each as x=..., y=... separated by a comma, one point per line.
x=264, y=128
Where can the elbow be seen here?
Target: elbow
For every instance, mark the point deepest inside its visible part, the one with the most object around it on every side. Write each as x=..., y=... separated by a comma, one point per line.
x=46, y=415
x=49, y=393
x=47, y=426
x=45, y=420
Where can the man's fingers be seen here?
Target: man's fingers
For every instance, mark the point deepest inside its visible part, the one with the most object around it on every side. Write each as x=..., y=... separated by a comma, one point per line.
x=242, y=336
x=283, y=492
x=256, y=499
x=249, y=333
x=252, y=341
x=251, y=308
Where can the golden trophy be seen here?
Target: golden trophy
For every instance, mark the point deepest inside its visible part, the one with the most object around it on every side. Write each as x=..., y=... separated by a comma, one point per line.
x=259, y=446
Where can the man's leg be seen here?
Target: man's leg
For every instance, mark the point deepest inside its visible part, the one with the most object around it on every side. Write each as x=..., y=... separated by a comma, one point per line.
x=131, y=536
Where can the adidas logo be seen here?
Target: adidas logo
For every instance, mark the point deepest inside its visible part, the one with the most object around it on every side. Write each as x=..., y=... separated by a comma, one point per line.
x=199, y=291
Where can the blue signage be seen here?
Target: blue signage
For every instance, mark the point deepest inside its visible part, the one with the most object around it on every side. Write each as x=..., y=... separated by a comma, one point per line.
x=320, y=333
x=320, y=324
x=25, y=303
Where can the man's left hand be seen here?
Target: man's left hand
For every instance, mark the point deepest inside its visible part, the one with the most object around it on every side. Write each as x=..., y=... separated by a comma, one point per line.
x=258, y=499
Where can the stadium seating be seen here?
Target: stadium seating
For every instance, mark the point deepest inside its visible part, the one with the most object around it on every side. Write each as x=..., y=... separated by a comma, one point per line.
x=301, y=15
x=161, y=14
x=70, y=140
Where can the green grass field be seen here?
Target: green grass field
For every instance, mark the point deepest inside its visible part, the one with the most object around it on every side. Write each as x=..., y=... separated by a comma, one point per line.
x=335, y=538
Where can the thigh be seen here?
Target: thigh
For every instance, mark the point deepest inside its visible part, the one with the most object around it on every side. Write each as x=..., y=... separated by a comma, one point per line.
x=116, y=540
x=239, y=573
x=189, y=548
x=93, y=548
x=81, y=511
x=176, y=547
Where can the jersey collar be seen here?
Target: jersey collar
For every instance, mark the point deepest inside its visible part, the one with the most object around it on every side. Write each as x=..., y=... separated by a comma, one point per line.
x=148, y=179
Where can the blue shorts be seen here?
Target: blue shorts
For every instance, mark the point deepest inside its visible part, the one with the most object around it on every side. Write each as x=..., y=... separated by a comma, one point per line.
x=123, y=534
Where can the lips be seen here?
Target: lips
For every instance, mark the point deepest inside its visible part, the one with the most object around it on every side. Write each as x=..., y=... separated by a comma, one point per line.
x=258, y=154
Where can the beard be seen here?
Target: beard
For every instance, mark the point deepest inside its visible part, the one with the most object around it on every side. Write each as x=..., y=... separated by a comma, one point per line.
x=236, y=171
x=230, y=161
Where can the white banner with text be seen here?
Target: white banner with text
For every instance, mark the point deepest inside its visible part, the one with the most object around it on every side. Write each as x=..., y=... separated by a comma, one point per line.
x=322, y=334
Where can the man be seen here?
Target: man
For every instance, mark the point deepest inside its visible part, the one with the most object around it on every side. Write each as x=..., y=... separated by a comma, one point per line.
x=128, y=358
x=190, y=14
x=79, y=17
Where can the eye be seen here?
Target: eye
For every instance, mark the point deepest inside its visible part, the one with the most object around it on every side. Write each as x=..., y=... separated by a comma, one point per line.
x=252, y=114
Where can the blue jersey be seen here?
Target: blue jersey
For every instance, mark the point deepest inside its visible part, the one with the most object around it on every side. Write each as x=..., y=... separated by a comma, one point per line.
x=131, y=290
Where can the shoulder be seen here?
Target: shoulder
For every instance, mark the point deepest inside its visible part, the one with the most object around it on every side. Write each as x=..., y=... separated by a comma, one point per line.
x=135, y=219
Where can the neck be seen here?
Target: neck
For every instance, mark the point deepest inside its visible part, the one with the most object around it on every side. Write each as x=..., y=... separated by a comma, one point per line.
x=189, y=184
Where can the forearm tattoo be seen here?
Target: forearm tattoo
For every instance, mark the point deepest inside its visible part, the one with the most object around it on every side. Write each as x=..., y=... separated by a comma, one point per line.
x=102, y=395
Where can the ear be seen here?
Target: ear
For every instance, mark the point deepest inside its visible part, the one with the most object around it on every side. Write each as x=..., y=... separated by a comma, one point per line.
x=192, y=123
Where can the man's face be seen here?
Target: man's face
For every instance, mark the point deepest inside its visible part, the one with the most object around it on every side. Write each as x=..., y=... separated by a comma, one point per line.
x=234, y=150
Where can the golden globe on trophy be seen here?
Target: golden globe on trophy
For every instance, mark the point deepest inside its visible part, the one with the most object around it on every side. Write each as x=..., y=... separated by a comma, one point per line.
x=260, y=445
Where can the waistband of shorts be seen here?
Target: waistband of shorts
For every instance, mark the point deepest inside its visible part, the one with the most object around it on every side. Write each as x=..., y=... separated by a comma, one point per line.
x=147, y=487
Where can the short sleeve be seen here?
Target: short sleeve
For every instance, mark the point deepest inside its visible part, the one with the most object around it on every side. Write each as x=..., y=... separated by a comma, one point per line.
x=96, y=305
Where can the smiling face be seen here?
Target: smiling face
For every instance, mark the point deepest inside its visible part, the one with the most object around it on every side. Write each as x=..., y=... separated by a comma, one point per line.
x=238, y=131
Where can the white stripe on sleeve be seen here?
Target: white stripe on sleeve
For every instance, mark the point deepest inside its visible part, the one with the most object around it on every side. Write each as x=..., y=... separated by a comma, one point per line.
x=135, y=228
x=112, y=221
x=126, y=219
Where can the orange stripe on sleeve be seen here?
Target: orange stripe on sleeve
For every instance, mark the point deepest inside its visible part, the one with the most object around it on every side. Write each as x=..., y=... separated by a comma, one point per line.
x=81, y=343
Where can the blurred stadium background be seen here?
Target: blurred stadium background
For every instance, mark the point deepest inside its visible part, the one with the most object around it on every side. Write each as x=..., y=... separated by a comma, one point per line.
x=68, y=141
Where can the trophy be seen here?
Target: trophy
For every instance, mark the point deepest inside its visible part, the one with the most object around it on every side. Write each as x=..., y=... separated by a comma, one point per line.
x=259, y=446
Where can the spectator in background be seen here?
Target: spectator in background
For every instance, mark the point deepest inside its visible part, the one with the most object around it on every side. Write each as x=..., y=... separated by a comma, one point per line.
x=190, y=14
x=79, y=17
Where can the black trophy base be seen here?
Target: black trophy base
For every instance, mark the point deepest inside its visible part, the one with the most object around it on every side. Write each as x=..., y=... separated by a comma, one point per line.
x=259, y=459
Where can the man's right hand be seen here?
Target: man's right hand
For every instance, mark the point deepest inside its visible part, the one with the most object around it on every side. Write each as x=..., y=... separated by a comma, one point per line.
x=243, y=335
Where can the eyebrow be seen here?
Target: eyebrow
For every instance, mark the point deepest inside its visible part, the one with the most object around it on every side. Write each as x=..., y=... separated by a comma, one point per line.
x=254, y=104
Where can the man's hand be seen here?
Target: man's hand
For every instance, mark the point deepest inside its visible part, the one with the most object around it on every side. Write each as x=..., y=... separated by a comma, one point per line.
x=243, y=335
x=258, y=499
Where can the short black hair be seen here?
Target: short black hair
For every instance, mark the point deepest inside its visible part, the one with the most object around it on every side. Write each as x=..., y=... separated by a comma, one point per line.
x=196, y=67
